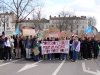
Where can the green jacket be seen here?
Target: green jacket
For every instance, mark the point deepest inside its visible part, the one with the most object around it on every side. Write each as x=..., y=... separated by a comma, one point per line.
x=35, y=44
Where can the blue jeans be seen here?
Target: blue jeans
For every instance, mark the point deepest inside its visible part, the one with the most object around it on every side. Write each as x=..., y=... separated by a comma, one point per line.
x=36, y=58
x=75, y=55
x=62, y=56
x=51, y=56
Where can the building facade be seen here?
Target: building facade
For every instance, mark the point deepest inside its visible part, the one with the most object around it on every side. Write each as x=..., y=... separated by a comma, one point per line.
x=42, y=24
x=6, y=25
x=74, y=24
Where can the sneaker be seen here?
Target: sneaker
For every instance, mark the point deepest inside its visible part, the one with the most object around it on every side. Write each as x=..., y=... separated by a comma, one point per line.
x=75, y=61
x=85, y=59
x=53, y=59
x=7, y=60
x=10, y=59
x=91, y=59
x=49, y=59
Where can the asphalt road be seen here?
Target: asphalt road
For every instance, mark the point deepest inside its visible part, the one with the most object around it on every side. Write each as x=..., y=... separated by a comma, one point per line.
x=50, y=67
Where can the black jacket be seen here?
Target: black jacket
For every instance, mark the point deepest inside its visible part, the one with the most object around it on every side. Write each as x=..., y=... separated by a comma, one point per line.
x=90, y=45
x=15, y=43
x=2, y=42
x=96, y=45
x=84, y=44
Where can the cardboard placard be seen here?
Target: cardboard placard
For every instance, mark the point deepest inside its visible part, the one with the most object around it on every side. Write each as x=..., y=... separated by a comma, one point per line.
x=53, y=30
x=27, y=32
x=67, y=33
x=81, y=34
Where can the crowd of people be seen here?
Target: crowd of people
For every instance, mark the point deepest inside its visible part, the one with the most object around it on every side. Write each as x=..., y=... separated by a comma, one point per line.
x=23, y=47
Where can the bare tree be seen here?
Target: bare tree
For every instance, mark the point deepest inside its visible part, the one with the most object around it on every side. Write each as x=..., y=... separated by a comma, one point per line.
x=91, y=21
x=21, y=8
x=65, y=22
x=3, y=17
x=37, y=16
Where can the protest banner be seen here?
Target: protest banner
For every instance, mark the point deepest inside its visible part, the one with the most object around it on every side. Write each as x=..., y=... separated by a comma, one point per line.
x=55, y=47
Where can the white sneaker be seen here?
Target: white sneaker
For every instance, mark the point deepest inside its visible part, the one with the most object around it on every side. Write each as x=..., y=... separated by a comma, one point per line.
x=50, y=59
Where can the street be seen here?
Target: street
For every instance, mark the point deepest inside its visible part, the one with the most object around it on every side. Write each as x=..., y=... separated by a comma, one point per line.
x=50, y=67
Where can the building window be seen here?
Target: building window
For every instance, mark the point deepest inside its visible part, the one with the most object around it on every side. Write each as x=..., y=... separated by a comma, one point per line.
x=46, y=26
x=83, y=21
x=77, y=21
x=77, y=32
x=77, y=26
x=83, y=26
x=0, y=24
x=52, y=21
x=7, y=24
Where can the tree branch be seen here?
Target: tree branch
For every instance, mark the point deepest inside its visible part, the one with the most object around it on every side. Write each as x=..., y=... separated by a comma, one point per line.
x=9, y=6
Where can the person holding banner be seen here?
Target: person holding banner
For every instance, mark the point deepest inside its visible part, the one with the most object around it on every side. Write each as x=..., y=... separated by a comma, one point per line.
x=52, y=55
x=63, y=55
x=57, y=55
x=70, y=48
x=76, y=49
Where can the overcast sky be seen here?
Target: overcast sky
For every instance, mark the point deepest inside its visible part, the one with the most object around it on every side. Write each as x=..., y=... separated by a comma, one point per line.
x=79, y=7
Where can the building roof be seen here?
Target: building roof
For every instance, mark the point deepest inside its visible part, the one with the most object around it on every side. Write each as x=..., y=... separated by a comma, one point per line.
x=68, y=18
x=11, y=13
x=34, y=21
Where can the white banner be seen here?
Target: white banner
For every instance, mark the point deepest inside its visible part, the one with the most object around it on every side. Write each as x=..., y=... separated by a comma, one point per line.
x=55, y=47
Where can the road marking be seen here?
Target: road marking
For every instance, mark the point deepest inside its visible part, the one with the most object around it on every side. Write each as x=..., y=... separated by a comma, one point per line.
x=1, y=61
x=88, y=71
x=88, y=68
x=28, y=66
x=9, y=63
x=59, y=67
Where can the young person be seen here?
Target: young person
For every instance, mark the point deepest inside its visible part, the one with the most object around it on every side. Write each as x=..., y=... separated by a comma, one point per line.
x=95, y=48
x=18, y=47
x=12, y=45
x=76, y=49
x=36, y=50
x=70, y=47
x=2, y=40
x=84, y=48
x=8, y=48
x=89, y=48
x=28, y=47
